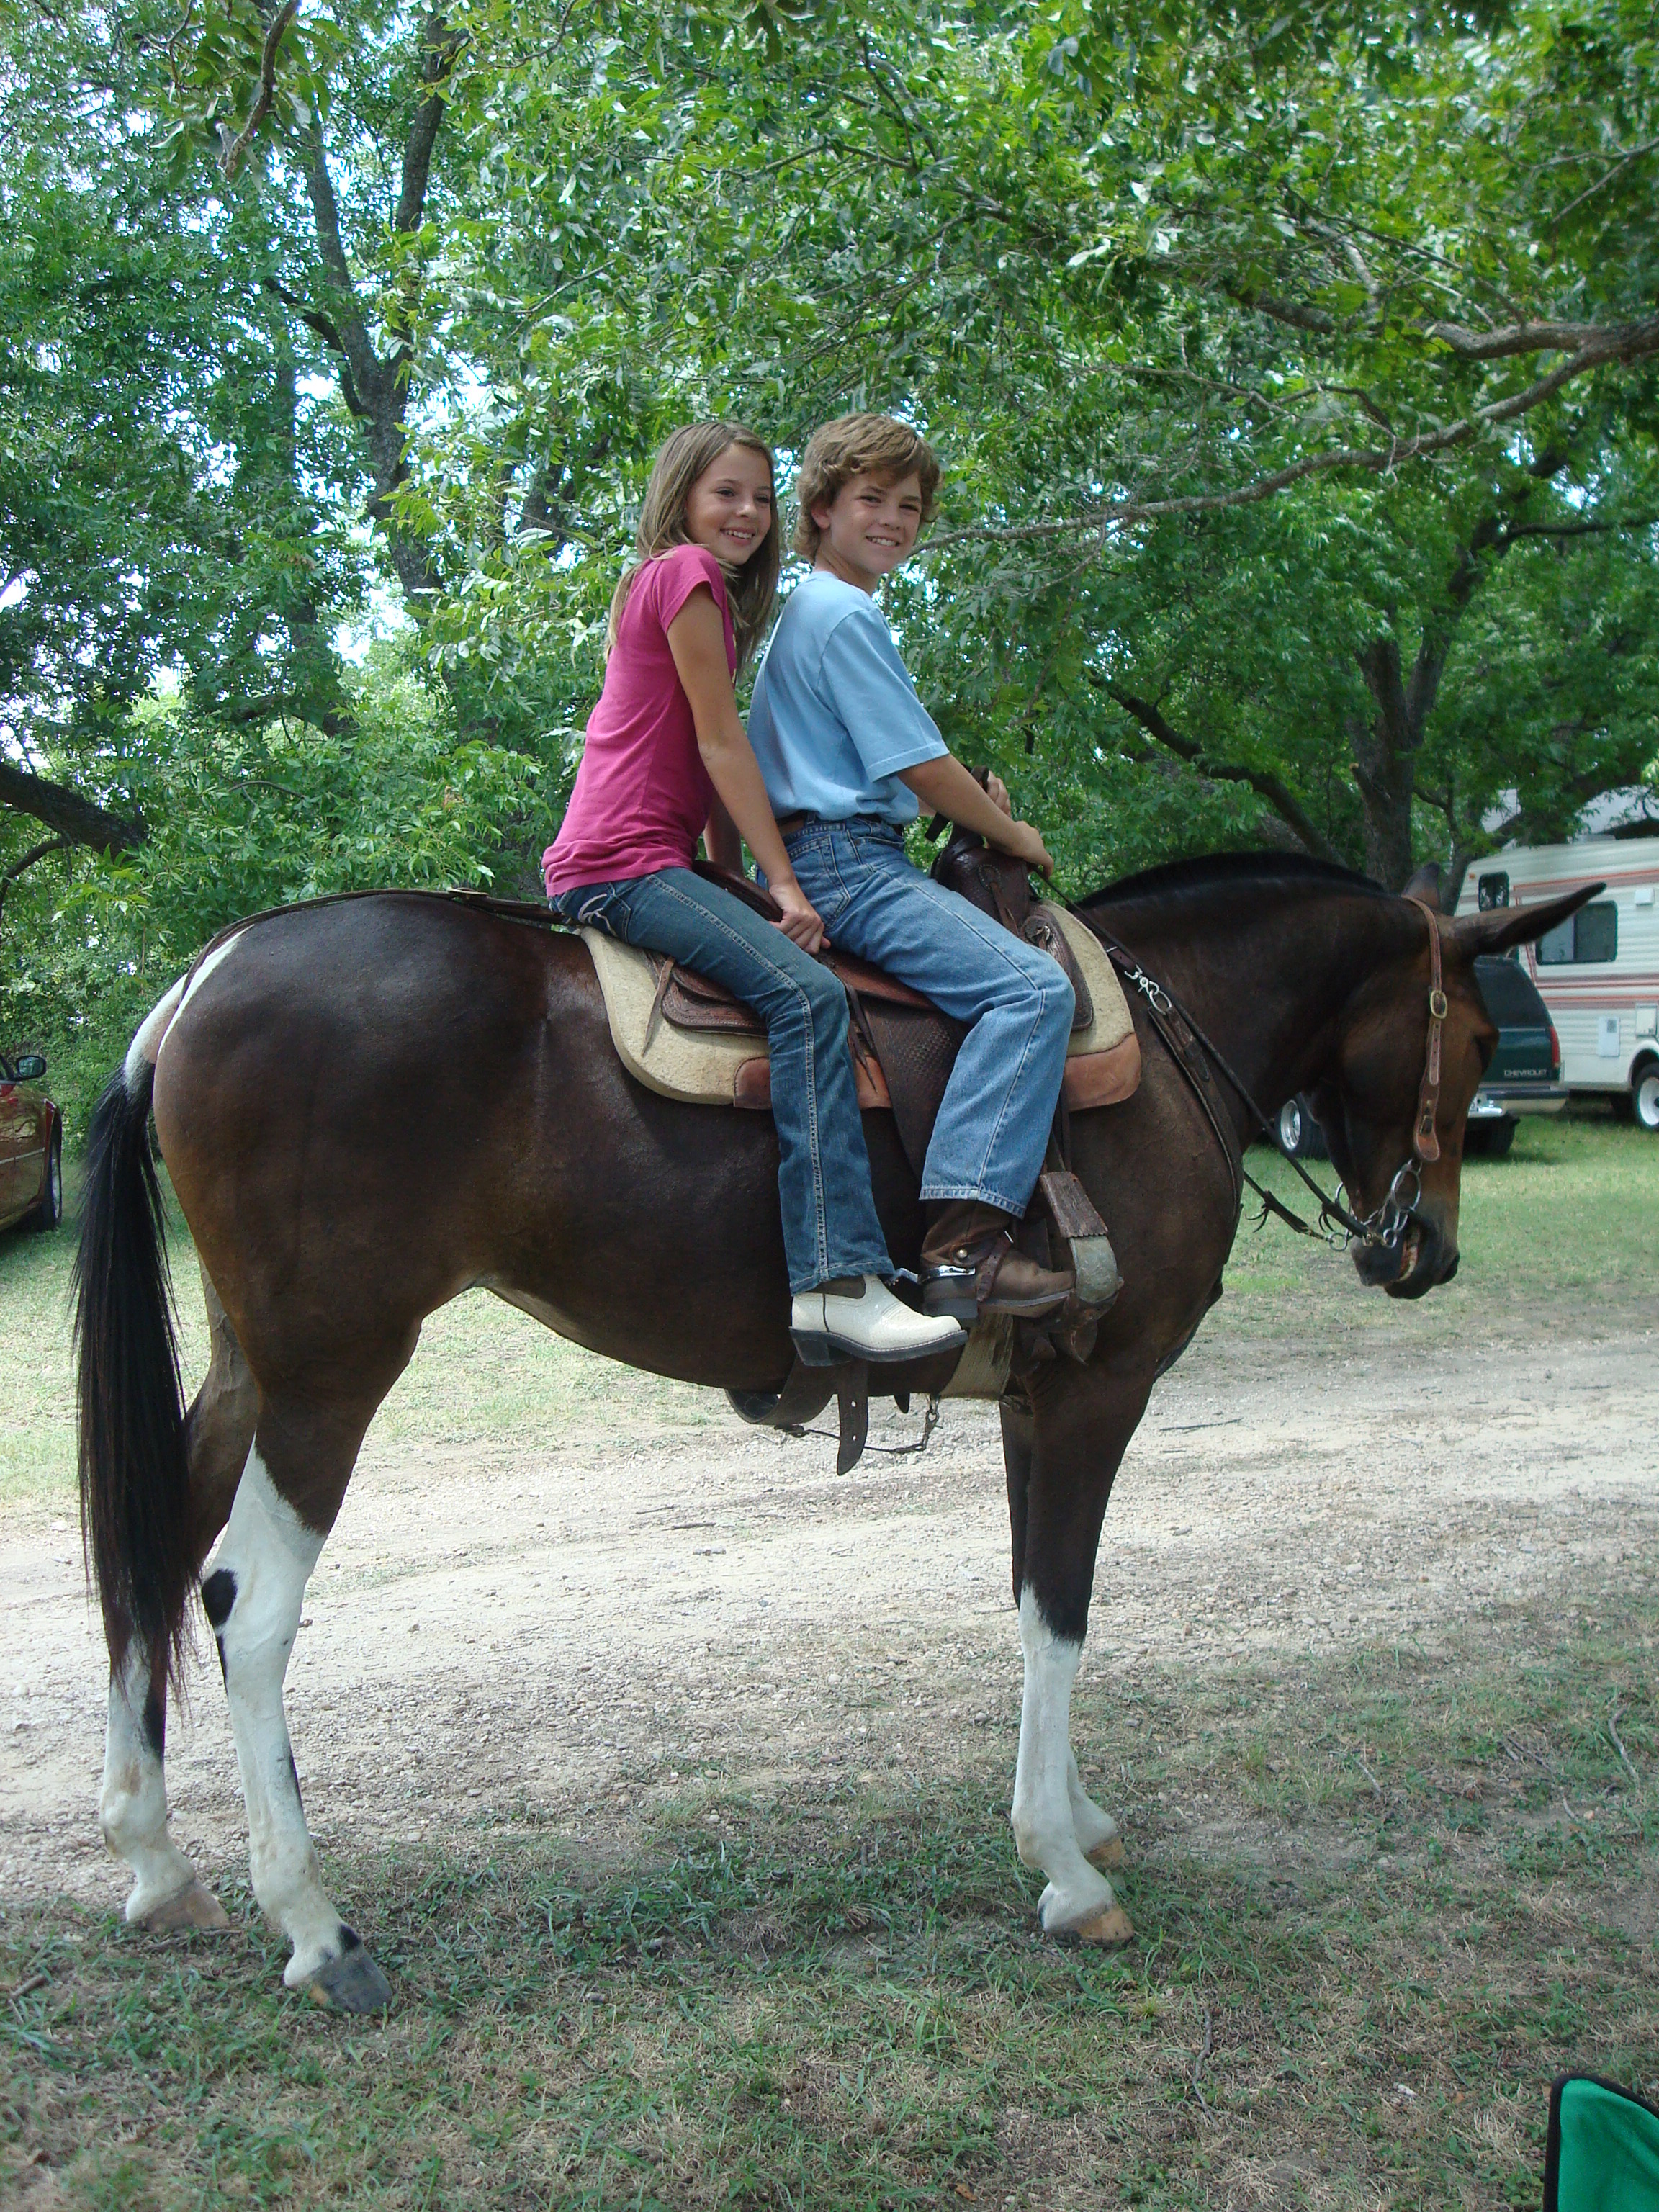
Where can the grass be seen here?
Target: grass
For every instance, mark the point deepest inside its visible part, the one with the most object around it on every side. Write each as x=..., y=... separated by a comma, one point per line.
x=1380, y=1903
x=1565, y=1223
x=1381, y=1899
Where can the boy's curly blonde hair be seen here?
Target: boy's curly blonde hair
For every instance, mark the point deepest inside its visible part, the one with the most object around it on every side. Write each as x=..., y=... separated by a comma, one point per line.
x=859, y=446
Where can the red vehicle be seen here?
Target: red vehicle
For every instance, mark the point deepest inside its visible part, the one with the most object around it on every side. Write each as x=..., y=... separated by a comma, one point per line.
x=30, y=1147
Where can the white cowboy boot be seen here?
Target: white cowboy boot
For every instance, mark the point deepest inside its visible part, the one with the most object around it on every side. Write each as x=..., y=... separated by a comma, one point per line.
x=858, y=1317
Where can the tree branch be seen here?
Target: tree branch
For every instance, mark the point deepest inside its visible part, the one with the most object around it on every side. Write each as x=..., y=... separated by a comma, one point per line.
x=1603, y=181
x=1265, y=785
x=34, y=853
x=439, y=46
x=230, y=160
x=64, y=812
x=9, y=876
x=1630, y=342
x=319, y=324
x=352, y=337
x=1300, y=318
x=1518, y=337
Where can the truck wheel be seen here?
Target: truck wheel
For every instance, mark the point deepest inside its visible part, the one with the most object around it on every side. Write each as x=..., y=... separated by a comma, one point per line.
x=1644, y=1097
x=1491, y=1139
x=49, y=1212
x=1299, y=1134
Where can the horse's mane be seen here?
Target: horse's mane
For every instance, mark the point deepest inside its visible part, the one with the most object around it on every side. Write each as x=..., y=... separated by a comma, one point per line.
x=1176, y=879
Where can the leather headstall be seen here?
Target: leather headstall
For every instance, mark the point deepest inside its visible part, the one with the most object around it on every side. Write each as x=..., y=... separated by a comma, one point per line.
x=1425, y=1143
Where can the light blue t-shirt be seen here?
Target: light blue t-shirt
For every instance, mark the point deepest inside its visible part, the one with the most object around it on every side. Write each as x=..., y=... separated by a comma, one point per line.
x=834, y=715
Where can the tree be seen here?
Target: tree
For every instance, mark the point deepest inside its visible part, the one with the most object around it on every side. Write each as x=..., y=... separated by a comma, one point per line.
x=168, y=499
x=1275, y=355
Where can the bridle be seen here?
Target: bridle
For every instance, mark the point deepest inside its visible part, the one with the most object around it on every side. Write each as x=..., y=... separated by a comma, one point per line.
x=1384, y=1227
x=1425, y=1143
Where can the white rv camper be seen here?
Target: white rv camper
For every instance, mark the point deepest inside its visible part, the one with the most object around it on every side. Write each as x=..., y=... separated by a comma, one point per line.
x=1599, y=973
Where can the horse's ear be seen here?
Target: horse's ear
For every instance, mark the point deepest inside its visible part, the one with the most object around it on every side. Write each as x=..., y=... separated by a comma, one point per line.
x=1426, y=885
x=1501, y=927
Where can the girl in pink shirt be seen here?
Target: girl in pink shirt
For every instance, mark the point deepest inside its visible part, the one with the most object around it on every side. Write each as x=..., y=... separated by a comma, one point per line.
x=666, y=759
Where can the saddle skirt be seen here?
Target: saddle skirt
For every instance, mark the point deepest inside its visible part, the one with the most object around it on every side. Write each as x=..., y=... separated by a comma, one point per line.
x=687, y=1038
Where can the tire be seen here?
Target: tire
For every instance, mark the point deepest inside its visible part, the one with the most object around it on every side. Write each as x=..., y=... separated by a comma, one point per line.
x=1299, y=1134
x=1490, y=1141
x=1644, y=1097
x=49, y=1212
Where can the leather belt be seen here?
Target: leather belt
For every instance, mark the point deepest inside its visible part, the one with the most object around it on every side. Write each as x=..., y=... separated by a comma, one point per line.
x=790, y=825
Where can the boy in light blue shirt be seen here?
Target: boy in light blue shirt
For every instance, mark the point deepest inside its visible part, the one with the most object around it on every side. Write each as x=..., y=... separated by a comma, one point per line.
x=836, y=716
x=849, y=755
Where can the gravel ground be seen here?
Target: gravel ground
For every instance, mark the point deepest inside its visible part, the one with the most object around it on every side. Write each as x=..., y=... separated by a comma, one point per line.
x=578, y=1631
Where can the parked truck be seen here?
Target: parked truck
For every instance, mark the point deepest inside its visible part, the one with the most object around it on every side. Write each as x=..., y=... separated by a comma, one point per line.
x=1598, y=974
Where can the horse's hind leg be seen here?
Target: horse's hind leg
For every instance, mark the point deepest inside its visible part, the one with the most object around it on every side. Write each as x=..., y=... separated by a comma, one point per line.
x=286, y=1501
x=132, y=1800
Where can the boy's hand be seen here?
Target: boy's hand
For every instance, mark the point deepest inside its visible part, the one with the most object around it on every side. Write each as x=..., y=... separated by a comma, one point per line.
x=997, y=791
x=802, y=923
x=1026, y=844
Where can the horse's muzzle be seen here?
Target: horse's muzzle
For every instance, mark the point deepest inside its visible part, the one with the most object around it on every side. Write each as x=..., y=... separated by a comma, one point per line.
x=1425, y=1256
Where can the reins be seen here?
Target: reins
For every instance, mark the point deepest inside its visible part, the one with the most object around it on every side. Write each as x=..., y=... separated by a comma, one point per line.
x=1385, y=1226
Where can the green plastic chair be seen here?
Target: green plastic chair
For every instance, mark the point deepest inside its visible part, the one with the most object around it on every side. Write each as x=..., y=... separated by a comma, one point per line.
x=1602, y=2151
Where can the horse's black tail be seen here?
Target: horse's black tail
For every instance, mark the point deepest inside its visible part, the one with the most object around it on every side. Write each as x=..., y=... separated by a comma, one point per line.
x=135, y=1473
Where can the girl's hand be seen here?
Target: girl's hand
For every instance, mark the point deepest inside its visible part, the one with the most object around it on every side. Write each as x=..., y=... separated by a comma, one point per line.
x=997, y=791
x=1026, y=844
x=801, y=922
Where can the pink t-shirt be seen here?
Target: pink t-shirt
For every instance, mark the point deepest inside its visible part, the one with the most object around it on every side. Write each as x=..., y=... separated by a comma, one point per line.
x=642, y=793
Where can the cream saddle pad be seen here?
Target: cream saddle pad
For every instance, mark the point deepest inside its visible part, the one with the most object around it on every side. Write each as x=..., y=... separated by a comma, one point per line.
x=702, y=1069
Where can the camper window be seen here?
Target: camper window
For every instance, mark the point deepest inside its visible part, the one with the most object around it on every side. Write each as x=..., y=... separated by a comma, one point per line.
x=1591, y=934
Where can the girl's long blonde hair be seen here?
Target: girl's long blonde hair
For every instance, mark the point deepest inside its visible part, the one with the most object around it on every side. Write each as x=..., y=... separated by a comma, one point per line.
x=682, y=458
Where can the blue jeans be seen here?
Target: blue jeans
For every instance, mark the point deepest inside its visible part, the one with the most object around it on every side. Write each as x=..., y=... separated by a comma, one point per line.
x=830, y=1225
x=993, y=1127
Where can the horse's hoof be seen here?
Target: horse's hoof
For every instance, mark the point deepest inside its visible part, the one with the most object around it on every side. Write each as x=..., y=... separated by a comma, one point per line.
x=193, y=1906
x=1107, y=1854
x=351, y=1983
x=1110, y=1930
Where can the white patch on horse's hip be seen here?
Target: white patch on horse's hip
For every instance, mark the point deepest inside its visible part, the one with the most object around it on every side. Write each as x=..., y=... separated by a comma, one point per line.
x=1045, y=1831
x=141, y=1053
x=205, y=966
x=253, y=1591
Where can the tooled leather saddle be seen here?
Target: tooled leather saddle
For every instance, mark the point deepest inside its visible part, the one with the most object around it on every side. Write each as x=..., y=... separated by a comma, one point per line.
x=903, y=1045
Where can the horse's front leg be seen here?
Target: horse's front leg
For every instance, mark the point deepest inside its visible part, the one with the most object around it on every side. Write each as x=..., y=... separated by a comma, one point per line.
x=1095, y=1829
x=1060, y=1460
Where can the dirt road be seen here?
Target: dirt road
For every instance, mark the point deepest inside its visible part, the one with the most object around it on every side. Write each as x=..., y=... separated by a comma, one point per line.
x=569, y=1631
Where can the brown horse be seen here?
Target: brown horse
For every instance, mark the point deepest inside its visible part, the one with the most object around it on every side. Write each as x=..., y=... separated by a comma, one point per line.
x=367, y=1106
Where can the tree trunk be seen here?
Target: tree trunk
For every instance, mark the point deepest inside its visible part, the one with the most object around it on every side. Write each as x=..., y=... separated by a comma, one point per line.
x=1385, y=750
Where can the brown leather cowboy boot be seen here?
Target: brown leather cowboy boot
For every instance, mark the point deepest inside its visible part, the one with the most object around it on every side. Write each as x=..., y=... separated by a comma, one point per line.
x=970, y=1265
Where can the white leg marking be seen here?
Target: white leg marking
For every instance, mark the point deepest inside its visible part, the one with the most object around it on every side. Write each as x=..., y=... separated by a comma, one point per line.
x=1043, y=1829
x=141, y=1053
x=270, y=1553
x=132, y=1801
